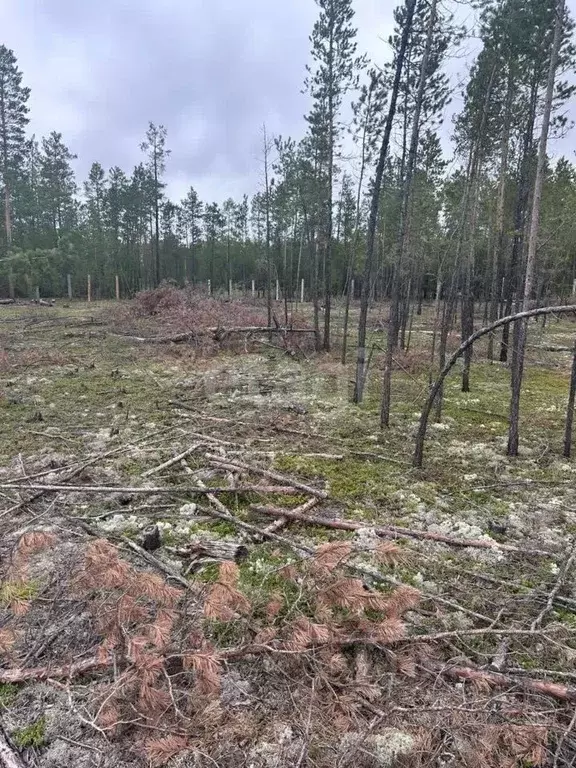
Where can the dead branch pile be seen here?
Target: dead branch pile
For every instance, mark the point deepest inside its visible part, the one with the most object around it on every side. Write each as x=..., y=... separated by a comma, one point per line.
x=170, y=315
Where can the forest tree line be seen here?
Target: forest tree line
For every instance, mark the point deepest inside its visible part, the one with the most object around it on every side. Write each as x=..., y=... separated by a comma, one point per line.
x=395, y=215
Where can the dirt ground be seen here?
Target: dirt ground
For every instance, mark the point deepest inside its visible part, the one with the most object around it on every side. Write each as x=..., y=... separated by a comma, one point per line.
x=436, y=627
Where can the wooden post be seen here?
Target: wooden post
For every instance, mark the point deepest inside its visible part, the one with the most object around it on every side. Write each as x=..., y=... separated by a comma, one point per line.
x=352, y=289
x=117, y=281
x=89, y=289
x=302, y=291
x=69, y=282
x=37, y=294
x=253, y=288
x=277, y=290
x=209, y=288
x=574, y=287
x=570, y=410
x=11, y=290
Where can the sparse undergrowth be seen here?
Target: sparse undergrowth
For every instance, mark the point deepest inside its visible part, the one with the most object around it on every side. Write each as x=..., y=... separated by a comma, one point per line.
x=280, y=658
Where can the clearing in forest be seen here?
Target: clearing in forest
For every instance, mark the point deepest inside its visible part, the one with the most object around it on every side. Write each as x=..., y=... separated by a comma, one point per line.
x=209, y=556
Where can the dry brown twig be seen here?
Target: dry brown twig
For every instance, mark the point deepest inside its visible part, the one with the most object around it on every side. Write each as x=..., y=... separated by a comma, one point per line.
x=224, y=463
x=395, y=531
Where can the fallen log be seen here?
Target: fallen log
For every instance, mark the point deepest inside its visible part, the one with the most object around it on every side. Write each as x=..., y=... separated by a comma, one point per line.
x=393, y=531
x=7, y=301
x=236, y=466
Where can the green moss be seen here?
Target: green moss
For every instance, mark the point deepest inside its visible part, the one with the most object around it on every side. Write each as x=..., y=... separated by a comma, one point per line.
x=8, y=693
x=32, y=735
x=349, y=480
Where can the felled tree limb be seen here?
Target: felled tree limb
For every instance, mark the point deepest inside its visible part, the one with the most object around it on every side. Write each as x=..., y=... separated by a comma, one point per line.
x=234, y=465
x=284, y=490
x=23, y=674
x=393, y=531
x=498, y=680
x=280, y=522
x=218, y=334
x=172, y=461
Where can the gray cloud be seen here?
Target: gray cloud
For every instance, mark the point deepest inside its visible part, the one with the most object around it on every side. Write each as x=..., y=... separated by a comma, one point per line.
x=212, y=71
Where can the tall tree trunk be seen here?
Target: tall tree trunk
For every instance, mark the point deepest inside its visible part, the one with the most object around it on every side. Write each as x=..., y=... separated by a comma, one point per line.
x=398, y=267
x=352, y=259
x=511, y=279
x=467, y=324
x=158, y=275
x=499, y=239
x=268, y=245
x=513, y=435
x=329, y=212
x=373, y=220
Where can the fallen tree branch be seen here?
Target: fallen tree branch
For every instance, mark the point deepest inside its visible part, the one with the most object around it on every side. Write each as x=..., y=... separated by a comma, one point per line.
x=172, y=461
x=218, y=334
x=393, y=531
x=562, y=576
x=234, y=465
x=498, y=680
x=24, y=674
x=284, y=490
x=280, y=522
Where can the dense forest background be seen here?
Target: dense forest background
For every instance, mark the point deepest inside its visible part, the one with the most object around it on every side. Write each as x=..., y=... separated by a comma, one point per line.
x=451, y=226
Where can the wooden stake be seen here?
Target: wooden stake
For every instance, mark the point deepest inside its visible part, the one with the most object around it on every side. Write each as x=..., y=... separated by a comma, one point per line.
x=570, y=410
x=253, y=288
x=89, y=289
x=69, y=283
x=277, y=290
x=37, y=294
x=117, y=281
x=209, y=288
x=230, y=288
x=302, y=291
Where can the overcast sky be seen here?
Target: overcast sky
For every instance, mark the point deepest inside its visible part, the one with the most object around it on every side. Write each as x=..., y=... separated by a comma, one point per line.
x=211, y=71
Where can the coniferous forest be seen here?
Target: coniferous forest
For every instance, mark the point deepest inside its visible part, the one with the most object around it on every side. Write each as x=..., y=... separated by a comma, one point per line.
x=367, y=192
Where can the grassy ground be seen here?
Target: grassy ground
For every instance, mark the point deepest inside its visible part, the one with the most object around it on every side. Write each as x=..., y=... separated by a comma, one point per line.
x=75, y=395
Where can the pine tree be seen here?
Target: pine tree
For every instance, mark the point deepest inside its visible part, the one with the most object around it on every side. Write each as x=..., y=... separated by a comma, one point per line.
x=13, y=122
x=335, y=64
x=214, y=223
x=57, y=187
x=193, y=212
x=155, y=147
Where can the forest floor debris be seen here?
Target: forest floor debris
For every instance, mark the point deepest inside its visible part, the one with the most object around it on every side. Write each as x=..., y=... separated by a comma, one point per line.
x=315, y=601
